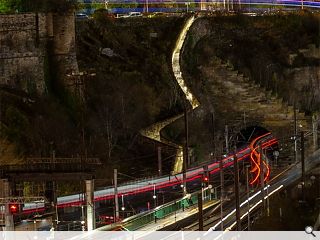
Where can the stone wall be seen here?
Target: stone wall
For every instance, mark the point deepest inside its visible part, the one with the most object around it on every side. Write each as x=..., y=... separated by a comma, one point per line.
x=24, y=49
x=64, y=46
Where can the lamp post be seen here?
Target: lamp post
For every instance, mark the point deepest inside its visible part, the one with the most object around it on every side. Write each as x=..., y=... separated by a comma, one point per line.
x=147, y=6
x=83, y=222
x=122, y=205
x=187, y=4
x=154, y=196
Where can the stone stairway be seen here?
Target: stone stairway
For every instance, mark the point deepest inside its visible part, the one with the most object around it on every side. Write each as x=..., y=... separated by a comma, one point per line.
x=234, y=95
x=239, y=95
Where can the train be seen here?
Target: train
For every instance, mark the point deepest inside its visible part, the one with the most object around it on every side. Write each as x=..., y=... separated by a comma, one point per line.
x=145, y=185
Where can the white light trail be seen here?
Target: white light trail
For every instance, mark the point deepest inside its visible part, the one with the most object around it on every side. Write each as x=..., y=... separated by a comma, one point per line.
x=243, y=203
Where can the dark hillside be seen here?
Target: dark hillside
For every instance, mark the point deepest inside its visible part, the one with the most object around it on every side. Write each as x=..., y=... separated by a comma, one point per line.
x=133, y=88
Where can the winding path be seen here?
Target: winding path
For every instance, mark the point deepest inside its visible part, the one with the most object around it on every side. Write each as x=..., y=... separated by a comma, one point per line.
x=153, y=132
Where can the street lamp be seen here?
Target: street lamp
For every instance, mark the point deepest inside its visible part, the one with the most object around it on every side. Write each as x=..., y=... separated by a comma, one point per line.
x=154, y=196
x=187, y=4
x=147, y=6
x=122, y=201
x=122, y=207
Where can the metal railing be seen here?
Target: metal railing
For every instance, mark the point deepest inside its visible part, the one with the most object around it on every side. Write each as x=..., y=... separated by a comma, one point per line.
x=94, y=161
x=51, y=164
x=140, y=220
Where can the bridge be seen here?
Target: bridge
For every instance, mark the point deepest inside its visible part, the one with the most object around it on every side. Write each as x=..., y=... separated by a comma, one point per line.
x=38, y=169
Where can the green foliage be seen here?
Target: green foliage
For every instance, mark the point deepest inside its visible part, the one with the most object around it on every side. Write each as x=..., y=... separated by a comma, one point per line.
x=10, y=6
x=4, y=6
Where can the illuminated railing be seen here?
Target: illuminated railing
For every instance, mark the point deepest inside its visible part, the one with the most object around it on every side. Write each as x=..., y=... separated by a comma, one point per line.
x=140, y=220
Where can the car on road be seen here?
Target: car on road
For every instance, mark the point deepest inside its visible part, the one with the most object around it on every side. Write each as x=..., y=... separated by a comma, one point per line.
x=82, y=16
x=130, y=14
x=135, y=14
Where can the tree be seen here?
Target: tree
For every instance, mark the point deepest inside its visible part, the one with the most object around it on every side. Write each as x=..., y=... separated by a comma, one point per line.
x=37, y=5
x=4, y=6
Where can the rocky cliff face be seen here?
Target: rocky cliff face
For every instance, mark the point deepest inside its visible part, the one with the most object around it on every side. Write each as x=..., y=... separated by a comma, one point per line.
x=259, y=48
x=239, y=69
x=306, y=87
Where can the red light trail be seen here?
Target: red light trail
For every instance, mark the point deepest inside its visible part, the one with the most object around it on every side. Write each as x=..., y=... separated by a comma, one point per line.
x=192, y=174
x=256, y=158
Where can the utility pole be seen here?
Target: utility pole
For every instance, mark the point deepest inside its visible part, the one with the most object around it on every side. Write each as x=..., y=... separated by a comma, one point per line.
x=186, y=151
x=315, y=130
x=303, y=174
x=248, y=195
x=116, y=200
x=222, y=192
x=226, y=139
x=213, y=133
x=267, y=200
x=91, y=220
x=9, y=224
x=262, y=177
x=236, y=190
x=295, y=133
x=159, y=161
x=154, y=196
x=200, y=211
x=50, y=194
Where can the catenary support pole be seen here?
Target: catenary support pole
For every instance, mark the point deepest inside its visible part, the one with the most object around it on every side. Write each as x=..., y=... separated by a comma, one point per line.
x=236, y=191
x=248, y=196
x=262, y=177
x=116, y=200
x=222, y=192
x=295, y=133
x=159, y=161
x=9, y=224
x=200, y=211
x=303, y=174
x=91, y=220
x=226, y=135
x=186, y=150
